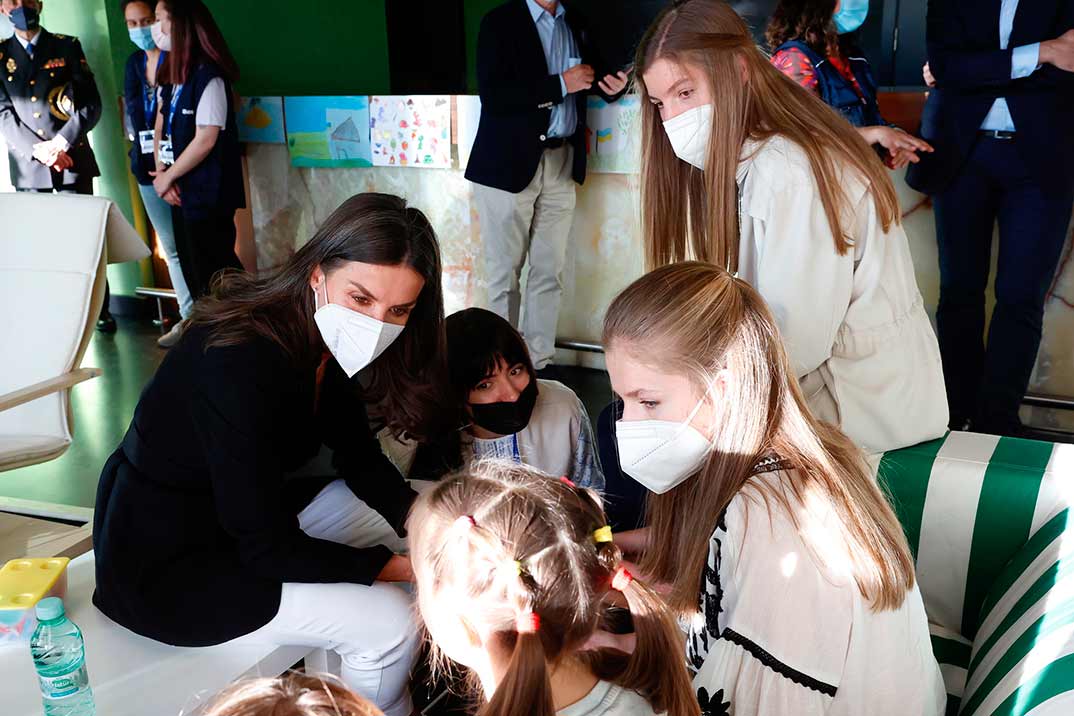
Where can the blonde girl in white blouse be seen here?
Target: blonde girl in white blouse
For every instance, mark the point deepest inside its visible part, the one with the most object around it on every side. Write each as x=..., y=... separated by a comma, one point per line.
x=744, y=169
x=776, y=543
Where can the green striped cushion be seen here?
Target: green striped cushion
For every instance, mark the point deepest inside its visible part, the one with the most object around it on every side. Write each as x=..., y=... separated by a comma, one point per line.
x=953, y=654
x=968, y=502
x=1023, y=657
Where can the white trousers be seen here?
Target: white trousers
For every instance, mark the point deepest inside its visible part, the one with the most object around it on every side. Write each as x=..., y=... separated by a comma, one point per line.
x=371, y=628
x=536, y=223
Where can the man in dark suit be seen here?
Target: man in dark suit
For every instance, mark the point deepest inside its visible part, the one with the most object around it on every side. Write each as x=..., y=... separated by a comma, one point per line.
x=534, y=68
x=1000, y=119
x=48, y=104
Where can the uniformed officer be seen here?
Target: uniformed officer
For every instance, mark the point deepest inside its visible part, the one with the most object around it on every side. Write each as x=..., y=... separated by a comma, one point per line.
x=48, y=104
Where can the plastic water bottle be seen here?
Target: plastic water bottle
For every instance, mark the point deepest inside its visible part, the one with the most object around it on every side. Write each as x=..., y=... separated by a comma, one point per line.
x=60, y=659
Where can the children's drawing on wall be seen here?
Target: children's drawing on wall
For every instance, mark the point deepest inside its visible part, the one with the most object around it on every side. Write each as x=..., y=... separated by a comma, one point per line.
x=260, y=119
x=613, y=135
x=411, y=131
x=328, y=131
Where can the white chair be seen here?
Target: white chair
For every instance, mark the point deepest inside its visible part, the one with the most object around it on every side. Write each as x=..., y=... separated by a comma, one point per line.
x=53, y=252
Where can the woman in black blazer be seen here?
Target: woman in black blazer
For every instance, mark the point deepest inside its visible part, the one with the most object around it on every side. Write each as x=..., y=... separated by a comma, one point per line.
x=202, y=532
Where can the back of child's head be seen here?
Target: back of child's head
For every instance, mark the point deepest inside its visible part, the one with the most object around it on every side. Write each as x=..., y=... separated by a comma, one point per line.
x=507, y=556
x=477, y=340
x=293, y=694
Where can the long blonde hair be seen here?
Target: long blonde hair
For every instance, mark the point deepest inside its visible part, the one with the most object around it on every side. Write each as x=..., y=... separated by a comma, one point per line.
x=694, y=319
x=687, y=213
x=505, y=541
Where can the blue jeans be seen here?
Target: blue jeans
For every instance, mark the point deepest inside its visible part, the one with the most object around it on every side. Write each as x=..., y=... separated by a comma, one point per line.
x=986, y=383
x=160, y=215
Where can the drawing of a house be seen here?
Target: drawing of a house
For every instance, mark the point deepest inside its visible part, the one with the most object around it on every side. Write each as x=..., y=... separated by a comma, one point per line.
x=345, y=141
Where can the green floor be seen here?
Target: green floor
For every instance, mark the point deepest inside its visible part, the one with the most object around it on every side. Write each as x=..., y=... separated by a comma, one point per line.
x=103, y=408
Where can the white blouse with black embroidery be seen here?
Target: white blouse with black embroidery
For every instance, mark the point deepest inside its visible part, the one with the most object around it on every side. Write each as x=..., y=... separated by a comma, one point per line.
x=781, y=631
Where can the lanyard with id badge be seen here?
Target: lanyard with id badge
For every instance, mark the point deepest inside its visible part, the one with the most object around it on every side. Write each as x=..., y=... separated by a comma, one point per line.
x=167, y=157
x=149, y=104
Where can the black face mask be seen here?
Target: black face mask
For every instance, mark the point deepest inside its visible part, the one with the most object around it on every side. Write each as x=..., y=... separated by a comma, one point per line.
x=507, y=418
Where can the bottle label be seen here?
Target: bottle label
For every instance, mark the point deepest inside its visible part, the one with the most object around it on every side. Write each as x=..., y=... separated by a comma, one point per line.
x=57, y=687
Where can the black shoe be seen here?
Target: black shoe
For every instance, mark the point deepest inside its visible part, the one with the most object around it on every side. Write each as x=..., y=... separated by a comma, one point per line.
x=106, y=324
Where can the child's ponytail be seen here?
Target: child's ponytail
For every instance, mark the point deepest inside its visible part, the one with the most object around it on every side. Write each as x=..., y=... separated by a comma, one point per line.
x=526, y=688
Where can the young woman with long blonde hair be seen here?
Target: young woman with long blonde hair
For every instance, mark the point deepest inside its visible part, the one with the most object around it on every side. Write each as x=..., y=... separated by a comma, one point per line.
x=766, y=524
x=743, y=169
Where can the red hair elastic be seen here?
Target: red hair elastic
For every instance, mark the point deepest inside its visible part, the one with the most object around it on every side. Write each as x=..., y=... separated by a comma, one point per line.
x=527, y=623
x=622, y=579
x=566, y=481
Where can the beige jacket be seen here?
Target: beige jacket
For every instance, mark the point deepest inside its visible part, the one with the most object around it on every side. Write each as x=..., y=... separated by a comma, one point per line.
x=854, y=325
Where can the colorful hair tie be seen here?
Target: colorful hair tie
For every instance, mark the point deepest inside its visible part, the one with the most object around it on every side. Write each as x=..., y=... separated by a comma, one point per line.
x=464, y=524
x=513, y=566
x=566, y=481
x=604, y=534
x=622, y=579
x=527, y=623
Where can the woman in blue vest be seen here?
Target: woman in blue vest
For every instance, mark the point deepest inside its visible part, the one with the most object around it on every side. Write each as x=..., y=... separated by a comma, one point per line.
x=813, y=45
x=199, y=168
x=140, y=92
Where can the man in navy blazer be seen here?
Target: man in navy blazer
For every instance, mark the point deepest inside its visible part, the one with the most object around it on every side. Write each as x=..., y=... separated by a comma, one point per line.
x=1000, y=117
x=534, y=68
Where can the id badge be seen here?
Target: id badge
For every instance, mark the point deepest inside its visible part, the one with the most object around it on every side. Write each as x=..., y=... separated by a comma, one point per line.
x=145, y=141
x=166, y=156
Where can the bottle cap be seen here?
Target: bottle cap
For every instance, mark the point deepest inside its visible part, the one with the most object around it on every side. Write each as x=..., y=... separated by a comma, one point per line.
x=49, y=609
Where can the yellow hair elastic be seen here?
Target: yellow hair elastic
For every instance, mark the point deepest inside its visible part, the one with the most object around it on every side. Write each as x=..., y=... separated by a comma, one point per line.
x=604, y=534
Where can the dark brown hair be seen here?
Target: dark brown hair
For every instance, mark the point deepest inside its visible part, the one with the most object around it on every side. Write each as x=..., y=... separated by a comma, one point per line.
x=807, y=20
x=407, y=380
x=694, y=320
x=503, y=541
x=687, y=213
x=196, y=39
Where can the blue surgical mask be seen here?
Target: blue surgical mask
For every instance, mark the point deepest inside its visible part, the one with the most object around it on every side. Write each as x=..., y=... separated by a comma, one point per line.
x=143, y=38
x=850, y=15
x=25, y=18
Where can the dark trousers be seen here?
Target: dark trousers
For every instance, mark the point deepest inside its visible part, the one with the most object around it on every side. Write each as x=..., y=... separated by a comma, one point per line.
x=206, y=245
x=84, y=185
x=987, y=382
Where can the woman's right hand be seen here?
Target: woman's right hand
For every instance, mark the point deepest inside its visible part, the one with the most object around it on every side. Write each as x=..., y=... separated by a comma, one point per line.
x=398, y=569
x=902, y=147
x=632, y=542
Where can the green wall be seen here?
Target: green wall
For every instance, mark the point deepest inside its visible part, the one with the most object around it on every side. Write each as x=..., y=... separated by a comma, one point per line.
x=329, y=47
x=87, y=20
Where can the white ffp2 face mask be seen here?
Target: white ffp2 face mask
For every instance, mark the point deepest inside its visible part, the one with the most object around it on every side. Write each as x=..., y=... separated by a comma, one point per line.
x=689, y=135
x=661, y=454
x=162, y=41
x=353, y=338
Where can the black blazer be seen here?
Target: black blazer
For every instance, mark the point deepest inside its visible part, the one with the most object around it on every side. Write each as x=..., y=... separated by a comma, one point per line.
x=54, y=93
x=971, y=72
x=517, y=96
x=195, y=529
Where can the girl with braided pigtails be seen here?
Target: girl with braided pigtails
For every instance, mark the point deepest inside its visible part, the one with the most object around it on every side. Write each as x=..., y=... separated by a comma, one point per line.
x=516, y=575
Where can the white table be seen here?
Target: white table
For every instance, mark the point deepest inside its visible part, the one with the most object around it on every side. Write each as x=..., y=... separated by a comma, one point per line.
x=134, y=676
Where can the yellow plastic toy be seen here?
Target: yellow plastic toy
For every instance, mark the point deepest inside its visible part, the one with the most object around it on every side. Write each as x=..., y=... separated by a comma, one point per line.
x=23, y=583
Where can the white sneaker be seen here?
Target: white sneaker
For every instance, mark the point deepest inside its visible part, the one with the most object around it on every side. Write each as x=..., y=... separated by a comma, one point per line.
x=172, y=337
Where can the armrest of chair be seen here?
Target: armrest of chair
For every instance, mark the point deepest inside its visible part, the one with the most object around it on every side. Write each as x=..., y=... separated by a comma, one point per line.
x=45, y=387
